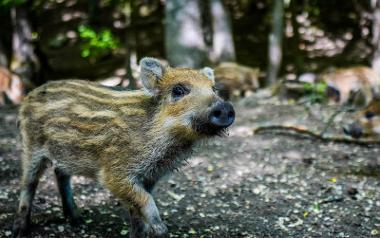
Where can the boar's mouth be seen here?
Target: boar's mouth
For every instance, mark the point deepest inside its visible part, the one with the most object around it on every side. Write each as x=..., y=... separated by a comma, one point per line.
x=205, y=127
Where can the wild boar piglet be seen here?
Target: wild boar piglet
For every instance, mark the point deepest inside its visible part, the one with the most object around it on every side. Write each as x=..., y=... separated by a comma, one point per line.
x=126, y=140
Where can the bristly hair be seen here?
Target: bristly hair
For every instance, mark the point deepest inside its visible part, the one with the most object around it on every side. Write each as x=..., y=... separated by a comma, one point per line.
x=223, y=133
x=164, y=156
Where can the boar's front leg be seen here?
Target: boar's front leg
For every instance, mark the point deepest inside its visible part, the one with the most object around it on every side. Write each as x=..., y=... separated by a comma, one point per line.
x=138, y=227
x=145, y=218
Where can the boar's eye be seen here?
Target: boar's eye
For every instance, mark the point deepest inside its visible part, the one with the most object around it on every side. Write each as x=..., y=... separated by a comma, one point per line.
x=179, y=91
x=369, y=115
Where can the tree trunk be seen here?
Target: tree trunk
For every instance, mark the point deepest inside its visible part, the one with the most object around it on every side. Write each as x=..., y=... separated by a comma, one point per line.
x=24, y=60
x=275, y=42
x=296, y=39
x=94, y=12
x=206, y=20
x=130, y=44
x=376, y=36
x=184, y=39
x=222, y=44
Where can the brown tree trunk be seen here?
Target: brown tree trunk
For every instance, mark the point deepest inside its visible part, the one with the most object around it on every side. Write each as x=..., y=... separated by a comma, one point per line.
x=130, y=44
x=94, y=12
x=222, y=43
x=206, y=20
x=184, y=39
x=197, y=32
x=376, y=36
x=24, y=60
x=296, y=39
x=275, y=42
x=132, y=84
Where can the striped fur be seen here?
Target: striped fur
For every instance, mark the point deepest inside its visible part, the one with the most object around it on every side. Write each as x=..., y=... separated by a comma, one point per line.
x=126, y=140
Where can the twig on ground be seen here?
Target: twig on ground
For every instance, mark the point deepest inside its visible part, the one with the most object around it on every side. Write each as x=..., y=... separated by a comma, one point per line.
x=316, y=135
x=332, y=199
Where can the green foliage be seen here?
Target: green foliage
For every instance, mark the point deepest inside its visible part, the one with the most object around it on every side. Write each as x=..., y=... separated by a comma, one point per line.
x=316, y=92
x=96, y=44
x=10, y=3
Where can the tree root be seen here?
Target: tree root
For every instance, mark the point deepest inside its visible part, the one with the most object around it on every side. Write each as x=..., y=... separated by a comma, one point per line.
x=303, y=131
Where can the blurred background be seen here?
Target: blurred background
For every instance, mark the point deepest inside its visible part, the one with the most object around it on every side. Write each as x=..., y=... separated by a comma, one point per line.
x=104, y=39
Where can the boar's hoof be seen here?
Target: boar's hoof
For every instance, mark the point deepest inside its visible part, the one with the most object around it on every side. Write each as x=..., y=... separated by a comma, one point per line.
x=76, y=221
x=158, y=230
x=21, y=228
x=136, y=233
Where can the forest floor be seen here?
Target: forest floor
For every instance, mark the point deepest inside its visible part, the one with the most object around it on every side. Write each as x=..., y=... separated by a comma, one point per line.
x=243, y=185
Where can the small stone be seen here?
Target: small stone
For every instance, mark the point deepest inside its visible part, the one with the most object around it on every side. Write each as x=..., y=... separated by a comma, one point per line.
x=177, y=197
x=124, y=232
x=56, y=209
x=88, y=221
x=61, y=228
x=190, y=208
x=192, y=231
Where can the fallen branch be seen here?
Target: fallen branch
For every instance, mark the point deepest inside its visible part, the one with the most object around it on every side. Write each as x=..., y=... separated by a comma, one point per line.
x=316, y=135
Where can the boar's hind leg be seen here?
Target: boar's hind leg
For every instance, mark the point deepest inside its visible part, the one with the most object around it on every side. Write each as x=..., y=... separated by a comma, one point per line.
x=32, y=171
x=69, y=208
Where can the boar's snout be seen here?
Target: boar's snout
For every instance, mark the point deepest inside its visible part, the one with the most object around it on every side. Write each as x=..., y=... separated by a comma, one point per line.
x=354, y=130
x=217, y=118
x=222, y=115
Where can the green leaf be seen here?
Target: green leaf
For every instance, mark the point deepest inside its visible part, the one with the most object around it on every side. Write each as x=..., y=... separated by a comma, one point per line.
x=308, y=86
x=321, y=88
x=85, y=53
x=95, y=43
x=10, y=3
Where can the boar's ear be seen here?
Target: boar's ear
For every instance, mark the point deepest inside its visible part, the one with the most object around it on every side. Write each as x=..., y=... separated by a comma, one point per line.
x=151, y=73
x=209, y=73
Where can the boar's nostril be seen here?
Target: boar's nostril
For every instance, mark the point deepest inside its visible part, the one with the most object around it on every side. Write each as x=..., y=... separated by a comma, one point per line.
x=231, y=114
x=222, y=115
x=217, y=113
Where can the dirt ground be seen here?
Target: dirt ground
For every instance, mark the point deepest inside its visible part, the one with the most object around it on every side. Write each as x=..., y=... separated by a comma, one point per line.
x=244, y=185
